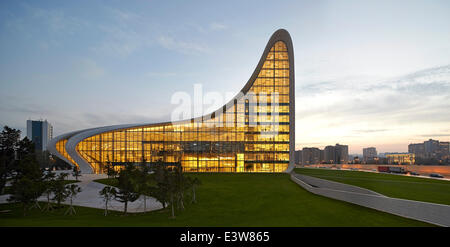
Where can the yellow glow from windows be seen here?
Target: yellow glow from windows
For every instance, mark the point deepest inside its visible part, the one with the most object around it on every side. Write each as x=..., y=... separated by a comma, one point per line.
x=251, y=136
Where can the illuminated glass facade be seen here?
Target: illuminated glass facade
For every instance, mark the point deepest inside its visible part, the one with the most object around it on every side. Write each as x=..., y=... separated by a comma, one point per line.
x=252, y=133
x=60, y=147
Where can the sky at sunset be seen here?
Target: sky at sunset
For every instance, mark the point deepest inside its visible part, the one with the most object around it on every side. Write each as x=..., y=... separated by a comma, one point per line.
x=368, y=73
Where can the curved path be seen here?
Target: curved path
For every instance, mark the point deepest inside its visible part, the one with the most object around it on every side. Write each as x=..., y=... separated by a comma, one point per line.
x=437, y=214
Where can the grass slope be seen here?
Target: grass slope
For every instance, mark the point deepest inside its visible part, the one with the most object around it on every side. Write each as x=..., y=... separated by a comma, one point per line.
x=229, y=200
x=412, y=188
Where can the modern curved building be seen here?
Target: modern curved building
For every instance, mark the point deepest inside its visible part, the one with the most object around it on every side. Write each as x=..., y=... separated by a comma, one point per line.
x=253, y=132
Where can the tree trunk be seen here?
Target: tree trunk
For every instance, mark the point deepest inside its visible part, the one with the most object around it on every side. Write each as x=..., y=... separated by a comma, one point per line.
x=106, y=208
x=171, y=202
x=181, y=201
x=145, y=203
x=126, y=206
x=48, y=207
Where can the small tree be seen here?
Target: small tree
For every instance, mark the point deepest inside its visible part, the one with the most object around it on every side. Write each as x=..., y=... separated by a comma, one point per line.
x=76, y=172
x=59, y=189
x=9, y=143
x=4, y=172
x=109, y=170
x=27, y=182
x=108, y=193
x=23, y=192
x=48, y=183
x=161, y=191
x=127, y=186
x=145, y=184
x=194, y=182
x=181, y=184
x=71, y=191
x=172, y=191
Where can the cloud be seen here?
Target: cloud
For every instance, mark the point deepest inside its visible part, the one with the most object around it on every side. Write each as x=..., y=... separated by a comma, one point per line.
x=215, y=26
x=90, y=69
x=373, y=110
x=56, y=20
x=171, y=43
x=121, y=39
x=370, y=131
x=435, y=134
x=161, y=74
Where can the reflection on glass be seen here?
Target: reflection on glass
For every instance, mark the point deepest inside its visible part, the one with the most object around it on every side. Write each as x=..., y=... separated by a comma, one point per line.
x=251, y=135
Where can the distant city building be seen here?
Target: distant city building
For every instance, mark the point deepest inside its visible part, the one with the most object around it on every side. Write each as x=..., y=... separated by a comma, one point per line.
x=444, y=150
x=40, y=132
x=341, y=154
x=418, y=149
x=336, y=154
x=330, y=154
x=369, y=154
x=298, y=156
x=431, y=149
x=310, y=156
x=401, y=158
x=383, y=155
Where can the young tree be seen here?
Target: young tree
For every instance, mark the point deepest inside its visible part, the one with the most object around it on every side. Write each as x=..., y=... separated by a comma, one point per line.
x=76, y=172
x=71, y=191
x=59, y=189
x=194, y=182
x=48, y=182
x=181, y=185
x=108, y=193
x=172, y=191
x=25, y=147
x=109, y=170
x=145, y=184
x=27, y=182
x=127, y=186
x=161, y=191
x=23, y=193
x=9, y=139
x=4, y=173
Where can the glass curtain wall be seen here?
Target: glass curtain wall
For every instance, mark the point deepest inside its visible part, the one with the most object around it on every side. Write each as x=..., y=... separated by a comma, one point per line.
x=61, y=148
x=251, y=134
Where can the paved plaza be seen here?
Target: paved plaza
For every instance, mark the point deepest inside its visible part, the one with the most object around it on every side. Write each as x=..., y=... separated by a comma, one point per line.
x=89, y=196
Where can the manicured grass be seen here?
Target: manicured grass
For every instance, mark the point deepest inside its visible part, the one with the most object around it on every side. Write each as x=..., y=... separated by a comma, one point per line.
x=229, y=200
x=108, y=181
x=405, y=187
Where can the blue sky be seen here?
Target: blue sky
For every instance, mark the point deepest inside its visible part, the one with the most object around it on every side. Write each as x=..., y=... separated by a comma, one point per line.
x=368, y=73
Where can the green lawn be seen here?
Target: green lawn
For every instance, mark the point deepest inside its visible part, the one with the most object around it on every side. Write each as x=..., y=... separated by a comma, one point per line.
x=406, y=187
x=229, y=200
x=108, y=181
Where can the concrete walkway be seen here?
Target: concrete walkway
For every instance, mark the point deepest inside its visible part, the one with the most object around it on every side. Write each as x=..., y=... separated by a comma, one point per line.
x=437, y=214
x=89, y=197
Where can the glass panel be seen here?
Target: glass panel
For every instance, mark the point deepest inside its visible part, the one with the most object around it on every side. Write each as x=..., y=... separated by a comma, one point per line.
x=253, y=134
